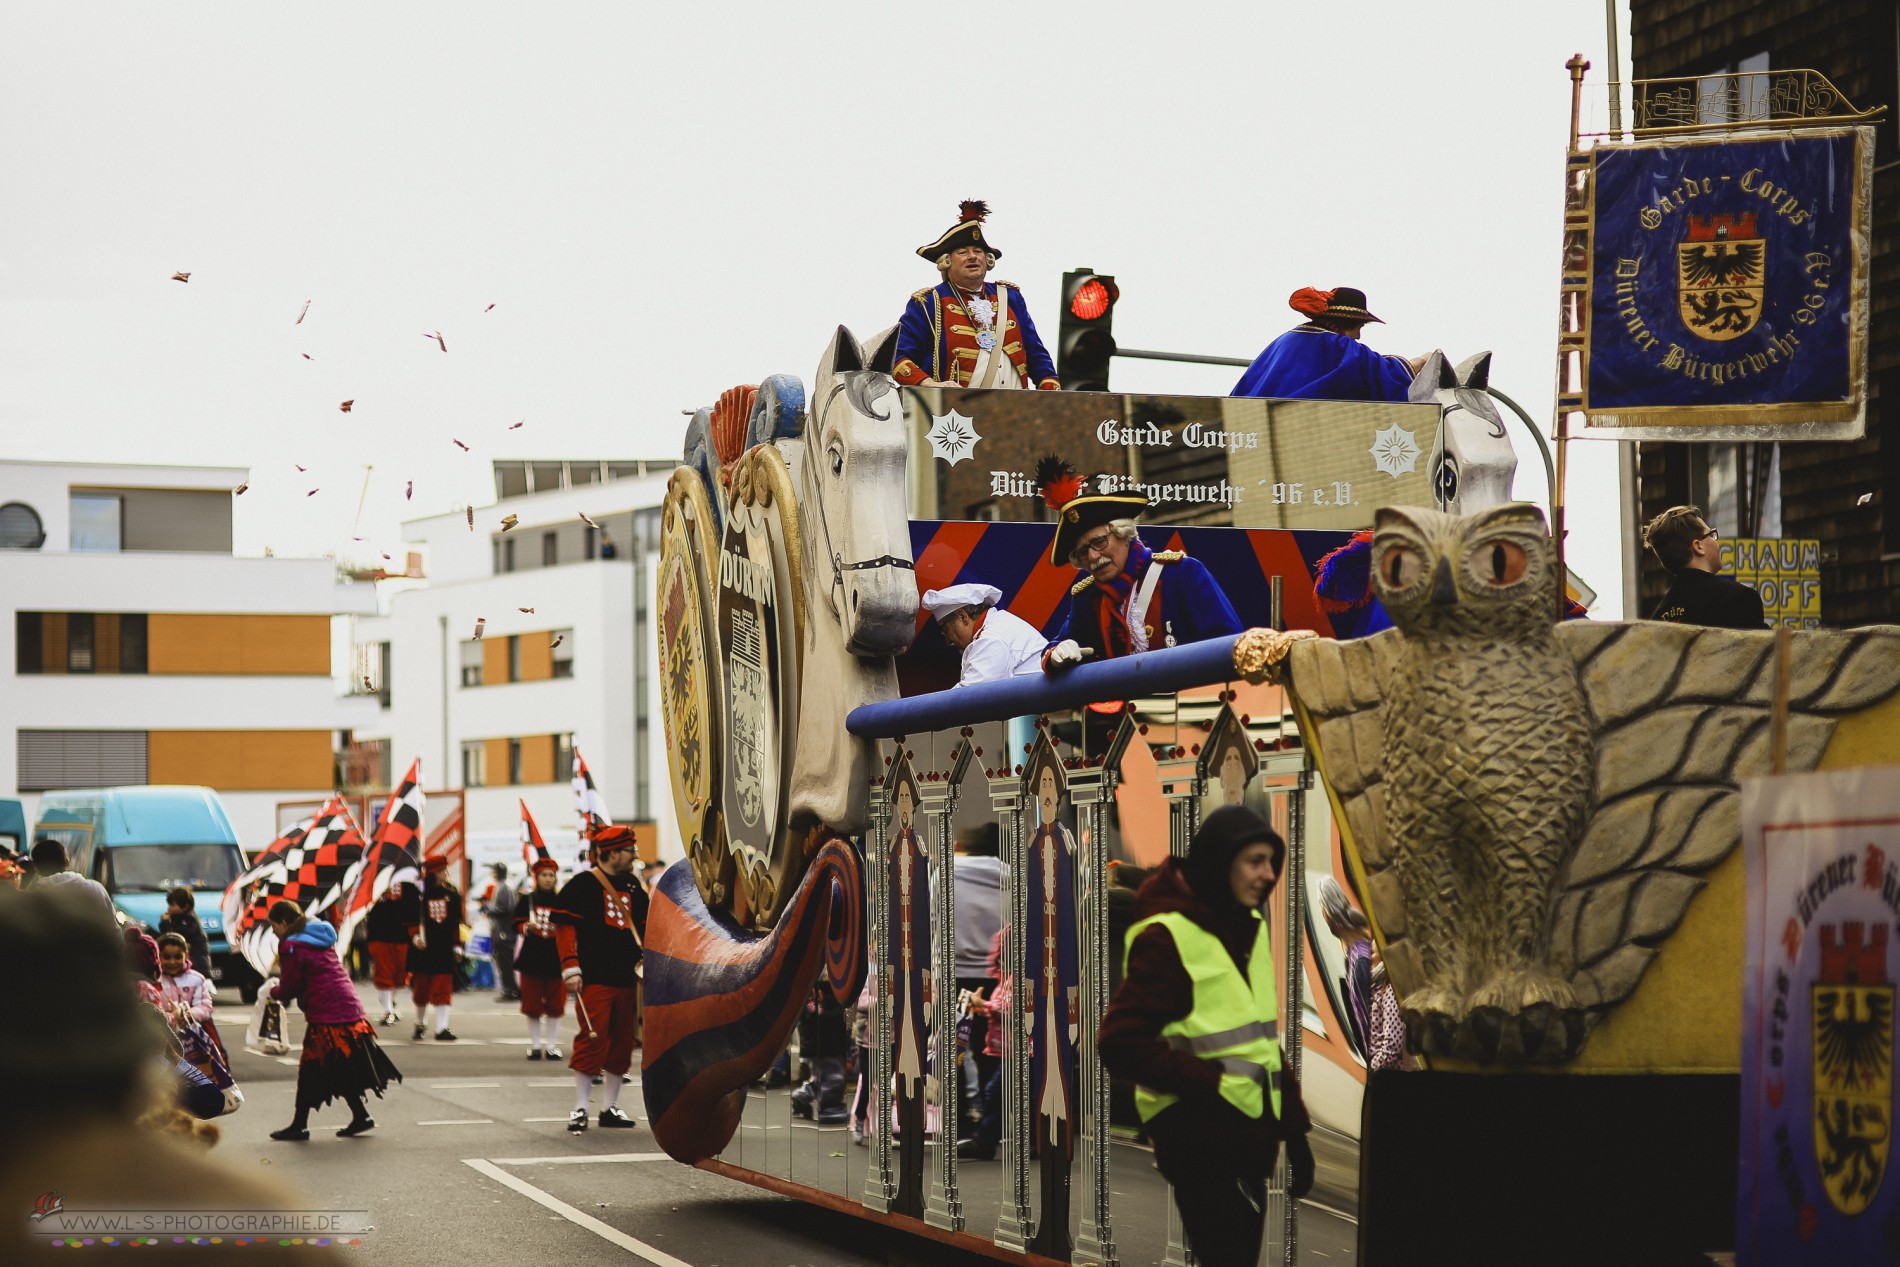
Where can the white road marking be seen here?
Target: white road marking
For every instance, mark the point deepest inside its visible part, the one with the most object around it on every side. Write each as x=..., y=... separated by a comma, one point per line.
x=544, y=1119
x=286, y=1060
x=572, y=1159
x=460, y=1121
x=1327, y=1209
x=612, y=1235
x=461, y=1086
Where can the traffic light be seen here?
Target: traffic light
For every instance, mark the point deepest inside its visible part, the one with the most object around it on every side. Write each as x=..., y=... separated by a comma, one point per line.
x=1086, y=339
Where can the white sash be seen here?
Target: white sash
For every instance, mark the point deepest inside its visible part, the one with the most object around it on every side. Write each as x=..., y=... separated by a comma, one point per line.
x=1138, y=607
x=993, y=367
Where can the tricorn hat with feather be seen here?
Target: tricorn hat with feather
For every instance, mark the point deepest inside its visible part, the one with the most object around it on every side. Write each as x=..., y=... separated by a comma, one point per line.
x=1078, y=511
x=967, y=231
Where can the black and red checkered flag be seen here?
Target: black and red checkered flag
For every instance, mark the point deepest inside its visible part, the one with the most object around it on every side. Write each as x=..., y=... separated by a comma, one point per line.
x=236, y=903
x=394, y=854
x=317, y=873
x=533, y=848
x=590, y=807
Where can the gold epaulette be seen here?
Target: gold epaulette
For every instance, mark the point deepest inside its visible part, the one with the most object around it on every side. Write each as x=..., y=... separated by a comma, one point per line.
x=1081, y=585
x=1169, y=556
x=923, y=294
x=1012, y=285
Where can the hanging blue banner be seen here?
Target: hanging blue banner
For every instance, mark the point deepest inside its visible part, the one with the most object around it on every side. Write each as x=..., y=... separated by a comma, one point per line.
x=1729, y=280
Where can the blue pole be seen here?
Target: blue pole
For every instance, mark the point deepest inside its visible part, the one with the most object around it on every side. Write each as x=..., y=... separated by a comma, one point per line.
x=1129, y=677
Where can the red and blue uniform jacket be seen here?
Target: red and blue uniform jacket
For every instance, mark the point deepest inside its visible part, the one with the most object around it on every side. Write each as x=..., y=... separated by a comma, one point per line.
x=1187, y=606
x=937, y=339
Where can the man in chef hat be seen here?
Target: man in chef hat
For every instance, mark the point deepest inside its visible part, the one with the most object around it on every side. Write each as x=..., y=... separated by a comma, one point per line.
x=994, y=643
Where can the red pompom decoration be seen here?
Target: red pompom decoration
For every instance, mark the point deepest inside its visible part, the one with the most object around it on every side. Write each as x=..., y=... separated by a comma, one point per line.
x=972, y=209
x=1057, y=481
x=1310, y=302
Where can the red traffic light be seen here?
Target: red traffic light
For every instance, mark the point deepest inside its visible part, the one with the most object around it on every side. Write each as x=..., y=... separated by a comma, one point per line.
x=1092, y=299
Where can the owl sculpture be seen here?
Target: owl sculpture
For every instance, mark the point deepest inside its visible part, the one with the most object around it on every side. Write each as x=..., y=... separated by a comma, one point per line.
x=1534, y=804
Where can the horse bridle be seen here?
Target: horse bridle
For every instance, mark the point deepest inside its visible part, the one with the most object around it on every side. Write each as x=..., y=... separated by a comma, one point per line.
x=838, y=566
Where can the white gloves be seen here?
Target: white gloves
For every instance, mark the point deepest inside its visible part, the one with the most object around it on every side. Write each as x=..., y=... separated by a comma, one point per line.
x=1065, y=654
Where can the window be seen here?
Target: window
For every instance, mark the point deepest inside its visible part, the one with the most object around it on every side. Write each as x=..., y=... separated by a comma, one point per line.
x=591, y=544
x=563, y=653
x=49, y=759
x=514, y=657
x=579, y=473
x=132, y=643
x=547, y=476
x=95, y=522
x=563, y=757
x=507, y=554
x=27, y=647
x=471, y=663
x=79, y=642
x=514, y=762
x=550, y=549
x=474, y=763
x=511, y=479
x=20, y=527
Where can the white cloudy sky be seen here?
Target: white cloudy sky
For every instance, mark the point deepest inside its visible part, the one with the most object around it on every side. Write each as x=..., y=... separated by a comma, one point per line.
x=663, y=200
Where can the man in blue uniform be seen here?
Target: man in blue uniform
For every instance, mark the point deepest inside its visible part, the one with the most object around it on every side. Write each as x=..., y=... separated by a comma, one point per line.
x=965, y=331
x=1323, y=359
x=1132, y=599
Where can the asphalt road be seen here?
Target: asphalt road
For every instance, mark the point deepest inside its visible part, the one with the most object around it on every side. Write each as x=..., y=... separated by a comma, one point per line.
x=471, y=1162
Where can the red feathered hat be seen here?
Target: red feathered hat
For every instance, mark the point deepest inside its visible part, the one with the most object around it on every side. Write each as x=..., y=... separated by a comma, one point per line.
x=610, y=838
x=1079, y=512
x=435, y=863
x=967, y=231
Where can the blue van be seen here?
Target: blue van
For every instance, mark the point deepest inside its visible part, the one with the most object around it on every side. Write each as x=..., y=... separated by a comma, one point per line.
x=141, y=842
x=13, y=828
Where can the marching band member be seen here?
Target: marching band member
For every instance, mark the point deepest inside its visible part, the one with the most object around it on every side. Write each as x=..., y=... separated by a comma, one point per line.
x=600, y=921
x=1132, y=599
x=389, y=931
x=435, y=949
x=538, y=962
x=995, y=643
x=1322, y=357
x=965, y=331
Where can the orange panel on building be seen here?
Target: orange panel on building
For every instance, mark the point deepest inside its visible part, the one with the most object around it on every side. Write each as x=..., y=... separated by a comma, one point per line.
x=495, y=754
x=537, y=759
x=241, y=760
x=537, y=658
x=290, y=646
x=494, y=663
x=53, y=642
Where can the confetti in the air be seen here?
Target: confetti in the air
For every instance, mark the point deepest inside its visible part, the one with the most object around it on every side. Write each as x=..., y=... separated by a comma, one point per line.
x=471, y=519
x=345, y=406
x=490, y=308
x=528, y=610
x=300, y=316
x=437, y=336
x=556, y=642
x=1863, y=499
x=306, y=356
x=517, y=426
x=509, y=521
x=300, y=470
x=313, y=492
x=181, y=277
x=366, y=686
x=458, y=444
x=480, y=623
x=590, y=523
x=239, y=490
x=409, y=490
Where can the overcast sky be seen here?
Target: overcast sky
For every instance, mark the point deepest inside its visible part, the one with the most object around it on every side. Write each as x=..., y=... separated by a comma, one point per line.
x=661, y=201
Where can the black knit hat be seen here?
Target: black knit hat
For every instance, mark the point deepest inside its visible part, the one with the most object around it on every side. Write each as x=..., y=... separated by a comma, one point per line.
x=1223, y=834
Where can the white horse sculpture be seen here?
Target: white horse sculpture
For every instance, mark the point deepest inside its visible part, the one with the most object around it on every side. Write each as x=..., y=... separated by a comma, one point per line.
x=860, y=582
x=1473, y=462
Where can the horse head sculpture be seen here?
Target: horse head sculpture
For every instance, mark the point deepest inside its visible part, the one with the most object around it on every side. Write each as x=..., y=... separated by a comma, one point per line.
x=1473, y=462
x=725, y=985
x=861, y=584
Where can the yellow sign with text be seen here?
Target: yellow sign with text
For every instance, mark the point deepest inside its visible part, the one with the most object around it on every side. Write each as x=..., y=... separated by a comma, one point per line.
x=1787, y=574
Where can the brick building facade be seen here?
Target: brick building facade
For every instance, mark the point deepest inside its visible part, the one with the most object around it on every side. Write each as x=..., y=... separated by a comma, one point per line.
x=1846, y=494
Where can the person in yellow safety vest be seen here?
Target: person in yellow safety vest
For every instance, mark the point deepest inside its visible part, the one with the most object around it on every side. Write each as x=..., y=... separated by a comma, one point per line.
x=1196, y=1027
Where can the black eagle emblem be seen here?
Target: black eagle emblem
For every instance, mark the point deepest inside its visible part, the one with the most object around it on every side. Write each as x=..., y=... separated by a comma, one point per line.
x=1724, y=264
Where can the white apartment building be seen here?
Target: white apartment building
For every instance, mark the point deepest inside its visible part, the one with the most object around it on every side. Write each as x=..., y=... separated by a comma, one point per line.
x=565, y=656
x=136, y=648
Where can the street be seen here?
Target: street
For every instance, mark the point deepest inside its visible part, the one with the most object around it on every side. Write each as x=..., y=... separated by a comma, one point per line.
x=471, y=1161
